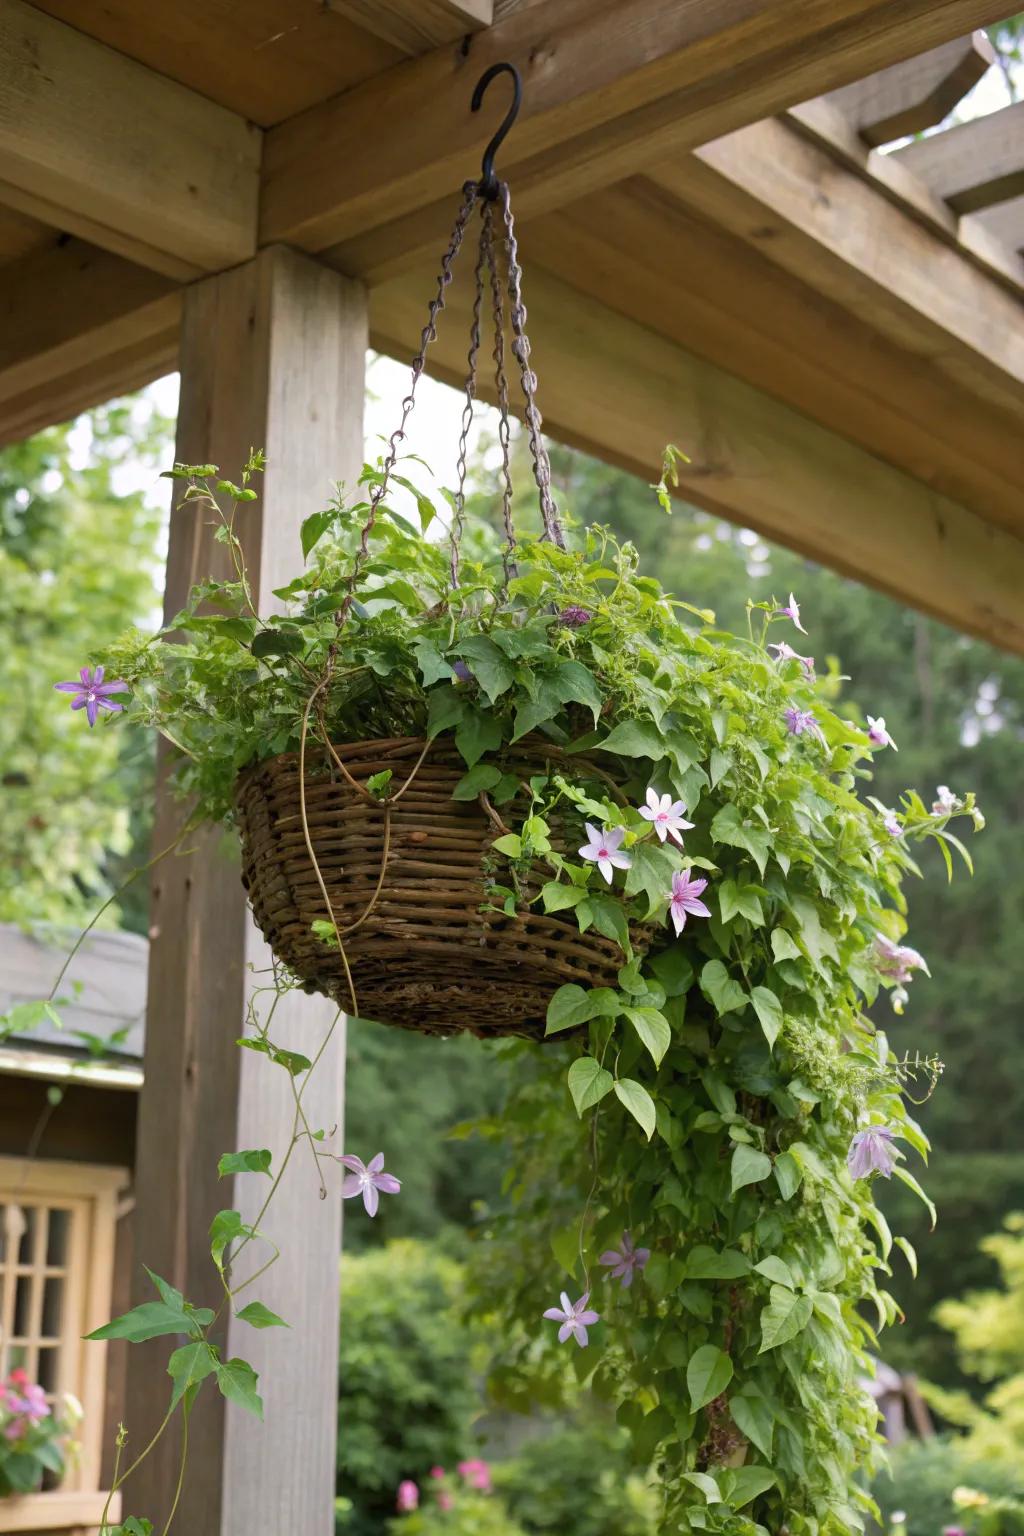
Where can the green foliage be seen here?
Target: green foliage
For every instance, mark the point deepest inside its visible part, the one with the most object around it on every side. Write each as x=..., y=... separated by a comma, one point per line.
x=577, y=1481
x=79, y=564
x=923, y=1475
x=407, y=1389
x=36, y=1441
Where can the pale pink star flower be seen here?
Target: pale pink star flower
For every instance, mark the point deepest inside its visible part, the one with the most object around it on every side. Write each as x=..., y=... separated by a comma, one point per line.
x=604, y=849
x=785, y=652
x=666, y=816
x=368, y=1180
x=625, y=1262
x=878, y=735
x=870, y=1152
x=891, y=822
x=791, y=611
x=575, y=1318
x=945, y=802
x=684, y=900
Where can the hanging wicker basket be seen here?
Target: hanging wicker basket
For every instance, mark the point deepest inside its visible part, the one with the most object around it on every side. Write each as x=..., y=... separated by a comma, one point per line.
x=430, y=949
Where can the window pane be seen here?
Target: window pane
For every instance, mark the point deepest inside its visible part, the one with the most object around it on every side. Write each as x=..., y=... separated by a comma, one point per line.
x=53, y=1303
x=48, y=1368
x=57, y=1240
x=29, y=1216
x=22, y=1304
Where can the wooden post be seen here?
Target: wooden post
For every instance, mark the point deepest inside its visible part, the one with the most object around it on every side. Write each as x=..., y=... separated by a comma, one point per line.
x=272, y=356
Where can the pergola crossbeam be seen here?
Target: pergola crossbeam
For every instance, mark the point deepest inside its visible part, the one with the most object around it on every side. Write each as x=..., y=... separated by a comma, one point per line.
x=415, y=25
x=972, y=165
x=916, y=94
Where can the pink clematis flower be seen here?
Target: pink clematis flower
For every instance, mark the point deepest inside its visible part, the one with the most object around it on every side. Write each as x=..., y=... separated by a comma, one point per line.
x=408, y=1497
x=897, y=962
x=625, y=1263
x=784, y=652
x=368, y=1180
x=666, y=816
x=891, y=823
x=575, y=1318
x=92, y=694
x=870, y=1152
x=791, y=611
x=604, y=849
x=800, y=720
x=684, y=900
x=476, y=1473
x=878, y=735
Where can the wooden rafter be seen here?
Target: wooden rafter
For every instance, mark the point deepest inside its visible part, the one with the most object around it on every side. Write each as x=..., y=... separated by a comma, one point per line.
x=916, y=94
x=416, y=25
x=1004, y=222
x=972, y=165
x=617, y=389
x=778, y=192
x=100, y=146
x=608, y=88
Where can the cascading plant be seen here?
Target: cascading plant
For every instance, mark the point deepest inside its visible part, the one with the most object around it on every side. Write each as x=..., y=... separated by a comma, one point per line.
x=691, y=1158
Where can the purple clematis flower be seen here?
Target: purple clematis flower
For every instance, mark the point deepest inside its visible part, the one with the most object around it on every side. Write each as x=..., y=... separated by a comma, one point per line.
x=684, y=900
x=878, y=735
x=92, y=694
x=897, y=962
x=624, y=1264
x=791, y=611
x=666, y=816
x=784, y=652
x=462, y=672
x=574, y=617
x=604, y=849
x=368, y=1180
x=870, y=1152
x=891, y=823
x=575, y=1318
x=945, y=802
x=800, y=720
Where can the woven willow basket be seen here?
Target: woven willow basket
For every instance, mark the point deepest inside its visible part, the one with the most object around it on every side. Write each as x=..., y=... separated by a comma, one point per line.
x=431, y=956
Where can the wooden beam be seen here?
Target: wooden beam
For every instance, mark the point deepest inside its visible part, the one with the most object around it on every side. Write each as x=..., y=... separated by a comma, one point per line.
x=98, y=145
x=972, y=165
x=916, y=94
x=608, y=88
x=73, y=306
x=618, y=390
x=638, y=251
x=1004, y=222
x=785, y=197
x=416, y=25
x=273, y=354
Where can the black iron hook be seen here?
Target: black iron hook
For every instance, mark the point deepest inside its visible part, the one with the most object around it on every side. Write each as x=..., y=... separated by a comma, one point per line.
x=488, y=180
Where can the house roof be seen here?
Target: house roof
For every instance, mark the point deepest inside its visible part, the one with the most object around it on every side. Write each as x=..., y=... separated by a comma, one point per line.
x=102, y=993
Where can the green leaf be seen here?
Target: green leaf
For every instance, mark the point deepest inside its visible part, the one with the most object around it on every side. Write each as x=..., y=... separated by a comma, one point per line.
x=277, y=642
x=651, y=872
x=152, y=1320
x=720, y=989
x=575, y=682
x=224, y=1229
x=169, y=1294
x=245, y=1162
x=588, y=1083
x=259, y=1316
x=136, y=1527
x=488, y=665
x=22, y=1470
x=908, y=1179
x=773, y=1268
x=749, y=1166
x=432, y=665
x=313, y=529
x=477, y=732
x=510, y=844
x=748, y=1483
x=754, y=1418
x=785, y=1316
x=769, y=1012
x=706, y=1484
x=707, y=1375
x=729, y=827
x=483, y=777
x=571, y=1006
x=189, y=1366
x=378, y=784
x=237, y=1381
x=788, y=1175
x=558, y=897
x=784, y=947
x=706, y=1263
x=673, y=969
x=610, y=919
x=636, y=738
x=909, y=1253
x=445, y=708
x=653, y=1029
x=740, y=900
x=638, y=1101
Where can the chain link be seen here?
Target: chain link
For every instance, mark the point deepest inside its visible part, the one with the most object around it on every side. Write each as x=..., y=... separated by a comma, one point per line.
x=459, y=509
x=501, y=389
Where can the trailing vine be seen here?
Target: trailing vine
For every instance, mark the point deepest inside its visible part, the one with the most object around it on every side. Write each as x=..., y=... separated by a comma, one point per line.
x=691, y=1157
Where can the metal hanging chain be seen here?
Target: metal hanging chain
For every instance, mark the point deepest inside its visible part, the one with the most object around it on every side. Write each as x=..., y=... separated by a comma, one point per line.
x=470, y=192
x=521, y=349
x=501, y=388
x=459, y=508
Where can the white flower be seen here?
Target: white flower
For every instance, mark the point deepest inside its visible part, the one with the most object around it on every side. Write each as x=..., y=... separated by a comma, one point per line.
x=603, y=849
x=666, y=816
